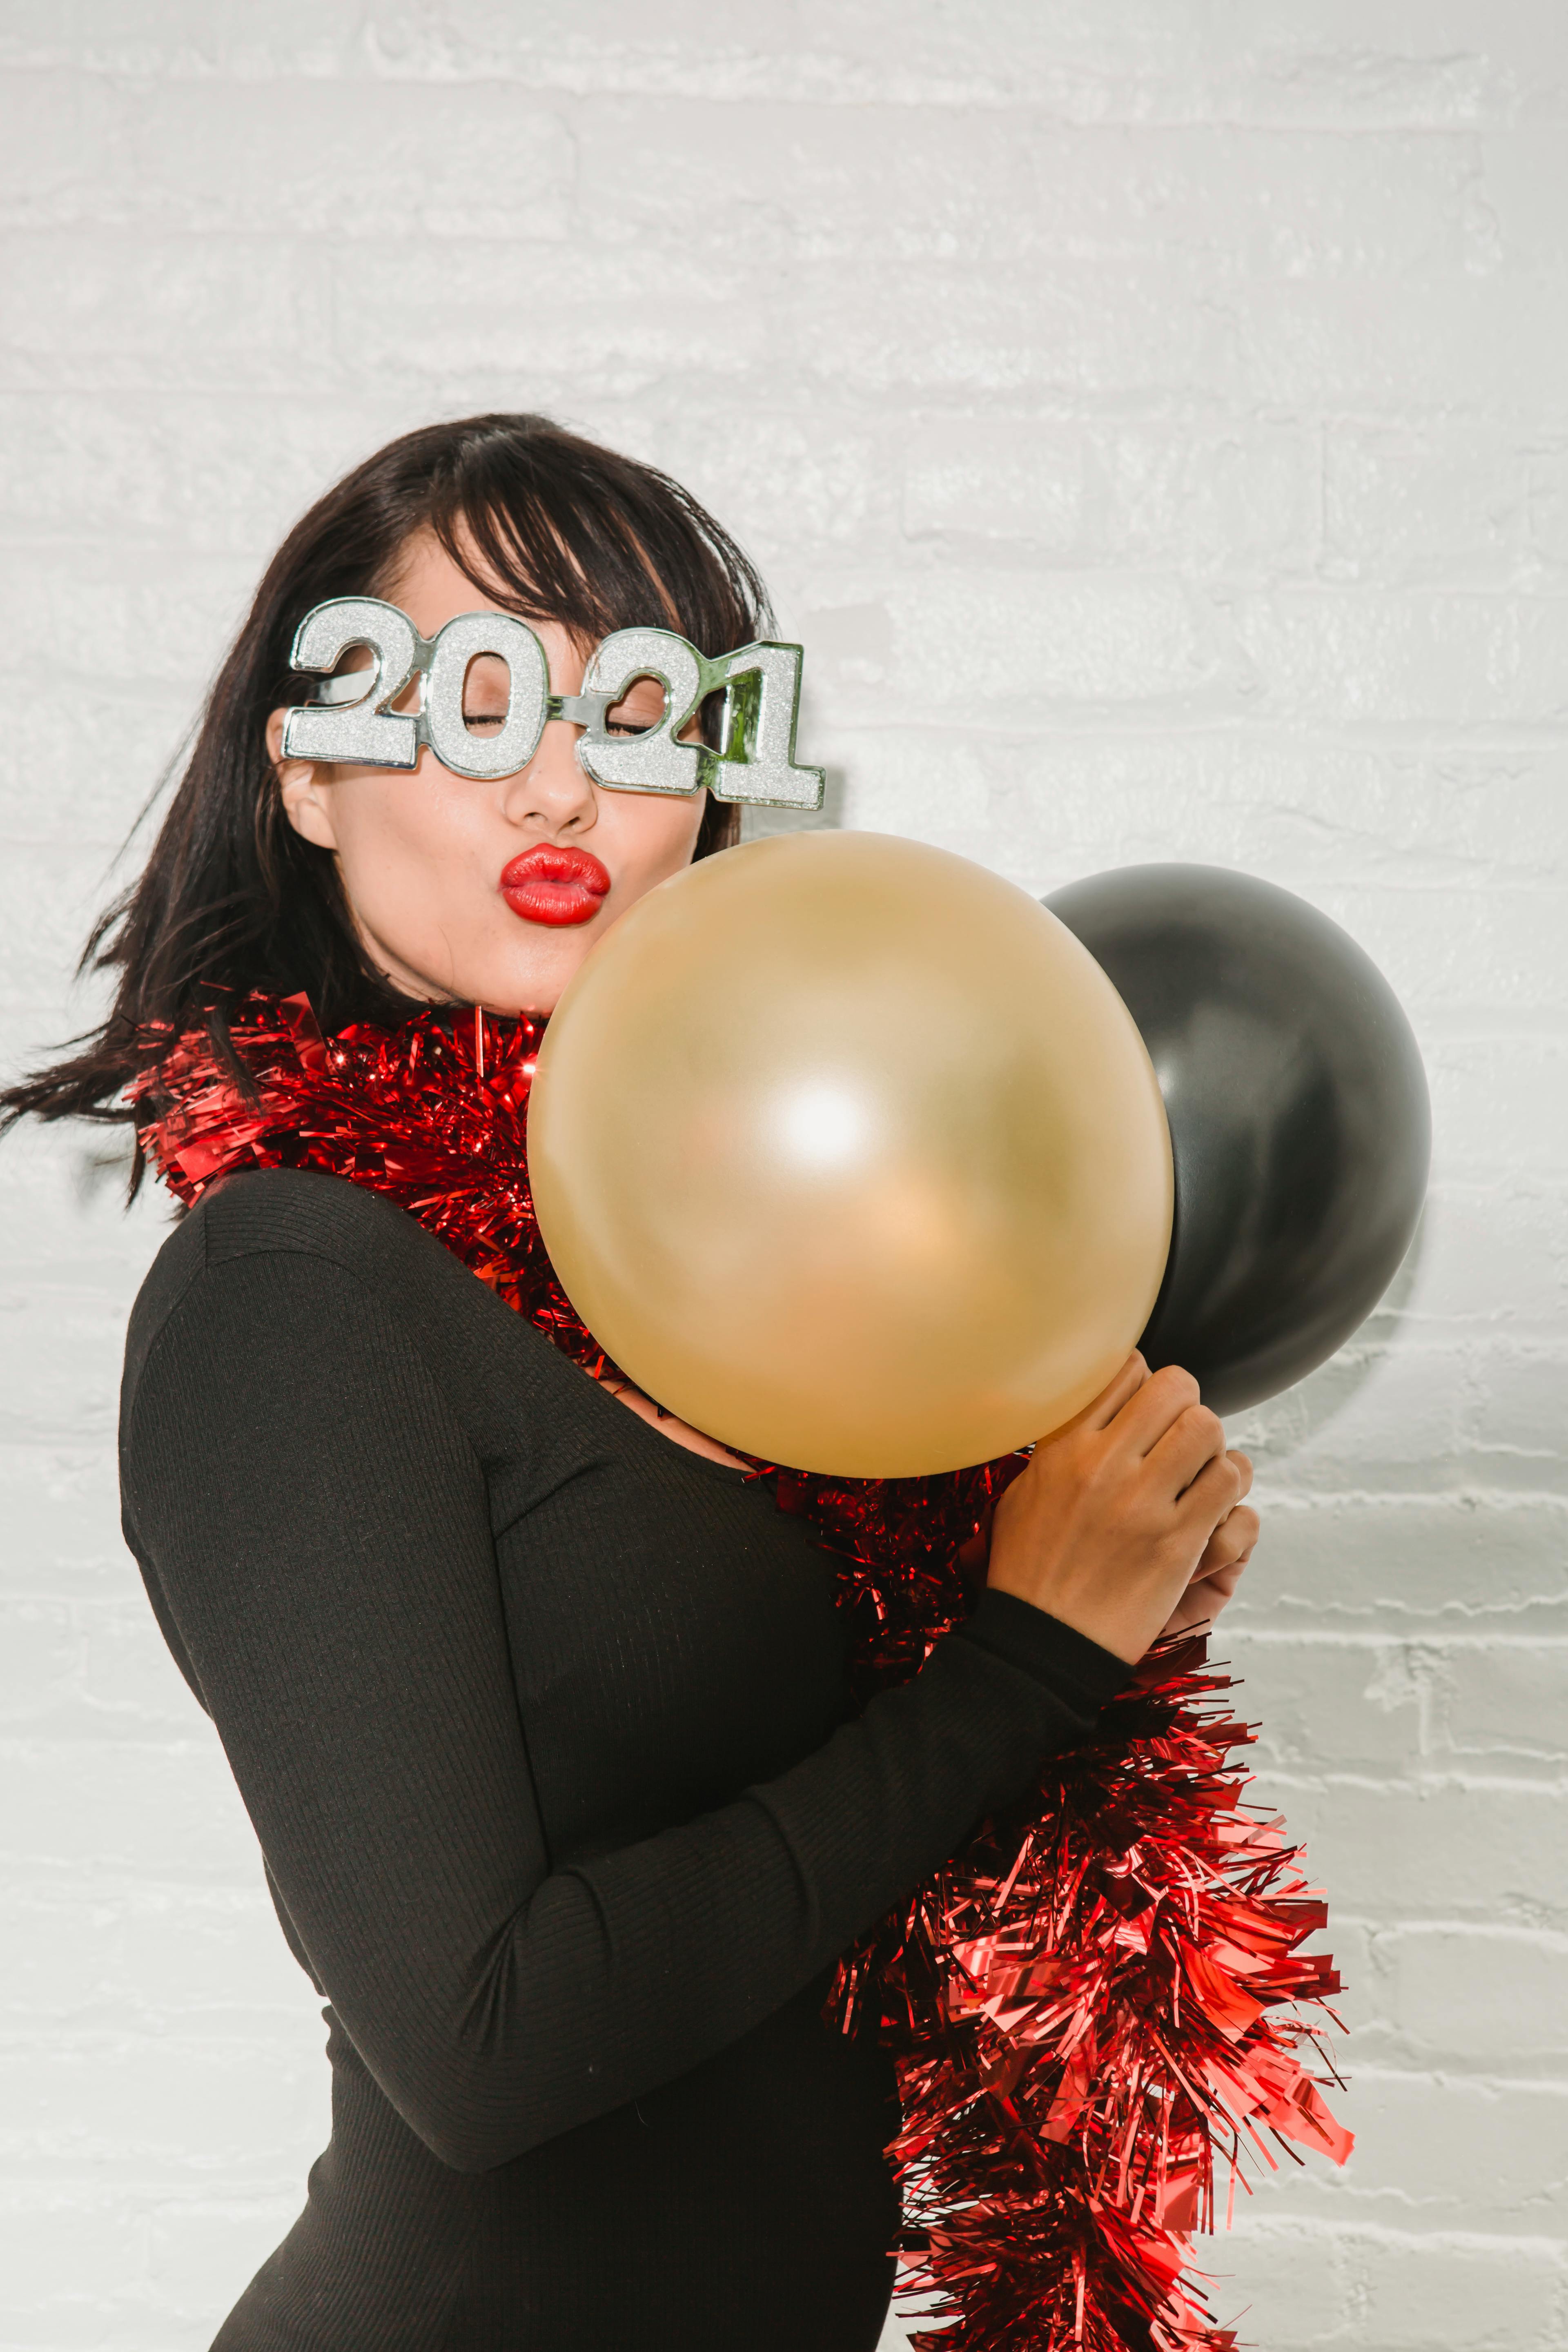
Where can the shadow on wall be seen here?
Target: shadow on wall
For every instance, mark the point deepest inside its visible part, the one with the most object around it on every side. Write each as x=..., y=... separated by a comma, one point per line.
x=1287, y=1423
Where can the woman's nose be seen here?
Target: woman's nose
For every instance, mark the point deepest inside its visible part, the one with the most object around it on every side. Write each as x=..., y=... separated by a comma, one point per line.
x=552, y=791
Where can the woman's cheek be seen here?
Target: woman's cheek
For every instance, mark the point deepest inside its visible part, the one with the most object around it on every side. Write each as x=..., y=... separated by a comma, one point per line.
x=411, y=867
x=428, y=834
x=644, y=840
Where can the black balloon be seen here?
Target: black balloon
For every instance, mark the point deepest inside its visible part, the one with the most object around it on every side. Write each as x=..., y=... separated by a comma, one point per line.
x=1299, y=1114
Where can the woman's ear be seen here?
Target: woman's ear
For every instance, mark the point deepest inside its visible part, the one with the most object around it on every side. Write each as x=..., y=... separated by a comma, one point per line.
x=305, y=804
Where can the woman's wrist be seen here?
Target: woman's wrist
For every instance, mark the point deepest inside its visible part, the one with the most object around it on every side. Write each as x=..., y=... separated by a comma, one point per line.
x=1071, y=1663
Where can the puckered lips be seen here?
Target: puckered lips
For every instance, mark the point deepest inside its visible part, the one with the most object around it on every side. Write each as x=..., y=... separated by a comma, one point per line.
x=549, y=884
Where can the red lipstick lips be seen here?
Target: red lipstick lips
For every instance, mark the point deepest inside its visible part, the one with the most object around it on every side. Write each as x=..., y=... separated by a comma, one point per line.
x=550, y=885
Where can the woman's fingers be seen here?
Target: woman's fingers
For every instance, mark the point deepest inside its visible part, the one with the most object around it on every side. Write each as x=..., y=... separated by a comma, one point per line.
x=1218, y=1572
x=1204, y=1600
x=1213, y=1489
x=1155, y=1408
x=1222, y=1584
x=1231, y=1542
x=1193, y=1440
x=1103, y=1409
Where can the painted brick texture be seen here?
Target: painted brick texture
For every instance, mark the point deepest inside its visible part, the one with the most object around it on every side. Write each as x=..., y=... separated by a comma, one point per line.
x=1199, y=374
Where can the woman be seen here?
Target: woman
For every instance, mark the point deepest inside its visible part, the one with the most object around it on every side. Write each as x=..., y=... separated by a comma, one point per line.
x=538, y=1704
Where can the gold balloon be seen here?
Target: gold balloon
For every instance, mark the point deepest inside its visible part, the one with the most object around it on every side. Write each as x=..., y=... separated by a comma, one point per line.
x=847, y=1152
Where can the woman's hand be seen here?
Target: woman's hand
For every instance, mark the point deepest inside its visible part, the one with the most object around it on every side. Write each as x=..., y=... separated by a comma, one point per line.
x=1110, y=1526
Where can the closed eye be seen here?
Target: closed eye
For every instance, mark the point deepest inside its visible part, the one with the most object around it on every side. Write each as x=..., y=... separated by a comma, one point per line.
x=624, y=728
x=474, y=719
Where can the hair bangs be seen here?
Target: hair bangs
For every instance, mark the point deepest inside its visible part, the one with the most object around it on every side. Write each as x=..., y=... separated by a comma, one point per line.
x=605, y=544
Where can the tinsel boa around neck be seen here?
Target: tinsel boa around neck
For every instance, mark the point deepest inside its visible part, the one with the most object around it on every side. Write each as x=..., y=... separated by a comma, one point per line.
x=1091, y=2001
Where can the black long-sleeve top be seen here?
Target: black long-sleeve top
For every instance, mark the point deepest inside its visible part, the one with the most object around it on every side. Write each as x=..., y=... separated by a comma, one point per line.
x=541, y=1723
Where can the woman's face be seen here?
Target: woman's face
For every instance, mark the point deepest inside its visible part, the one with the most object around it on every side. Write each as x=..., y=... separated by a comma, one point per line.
x=430, y=860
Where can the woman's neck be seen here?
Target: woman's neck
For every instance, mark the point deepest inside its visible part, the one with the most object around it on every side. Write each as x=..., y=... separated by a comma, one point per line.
x=669, y=1424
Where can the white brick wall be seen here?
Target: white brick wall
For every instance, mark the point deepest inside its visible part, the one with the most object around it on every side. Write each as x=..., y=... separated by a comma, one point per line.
x=1201, y=370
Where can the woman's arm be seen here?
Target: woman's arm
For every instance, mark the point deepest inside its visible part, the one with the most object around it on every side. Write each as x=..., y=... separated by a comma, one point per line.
x=328, y=1572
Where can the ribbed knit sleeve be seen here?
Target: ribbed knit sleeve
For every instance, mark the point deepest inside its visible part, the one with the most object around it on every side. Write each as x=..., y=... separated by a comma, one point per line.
x=313, y=1522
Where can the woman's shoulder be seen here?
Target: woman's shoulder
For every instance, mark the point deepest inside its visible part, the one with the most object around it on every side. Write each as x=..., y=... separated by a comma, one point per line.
x=295, y=1241
x=290, y=1212
x=261, y=1211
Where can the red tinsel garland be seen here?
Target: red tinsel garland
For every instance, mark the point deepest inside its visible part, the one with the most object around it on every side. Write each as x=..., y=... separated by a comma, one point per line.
x=1089, y=2001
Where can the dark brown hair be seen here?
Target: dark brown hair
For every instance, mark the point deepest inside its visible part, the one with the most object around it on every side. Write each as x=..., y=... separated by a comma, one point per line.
x=232, y=898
